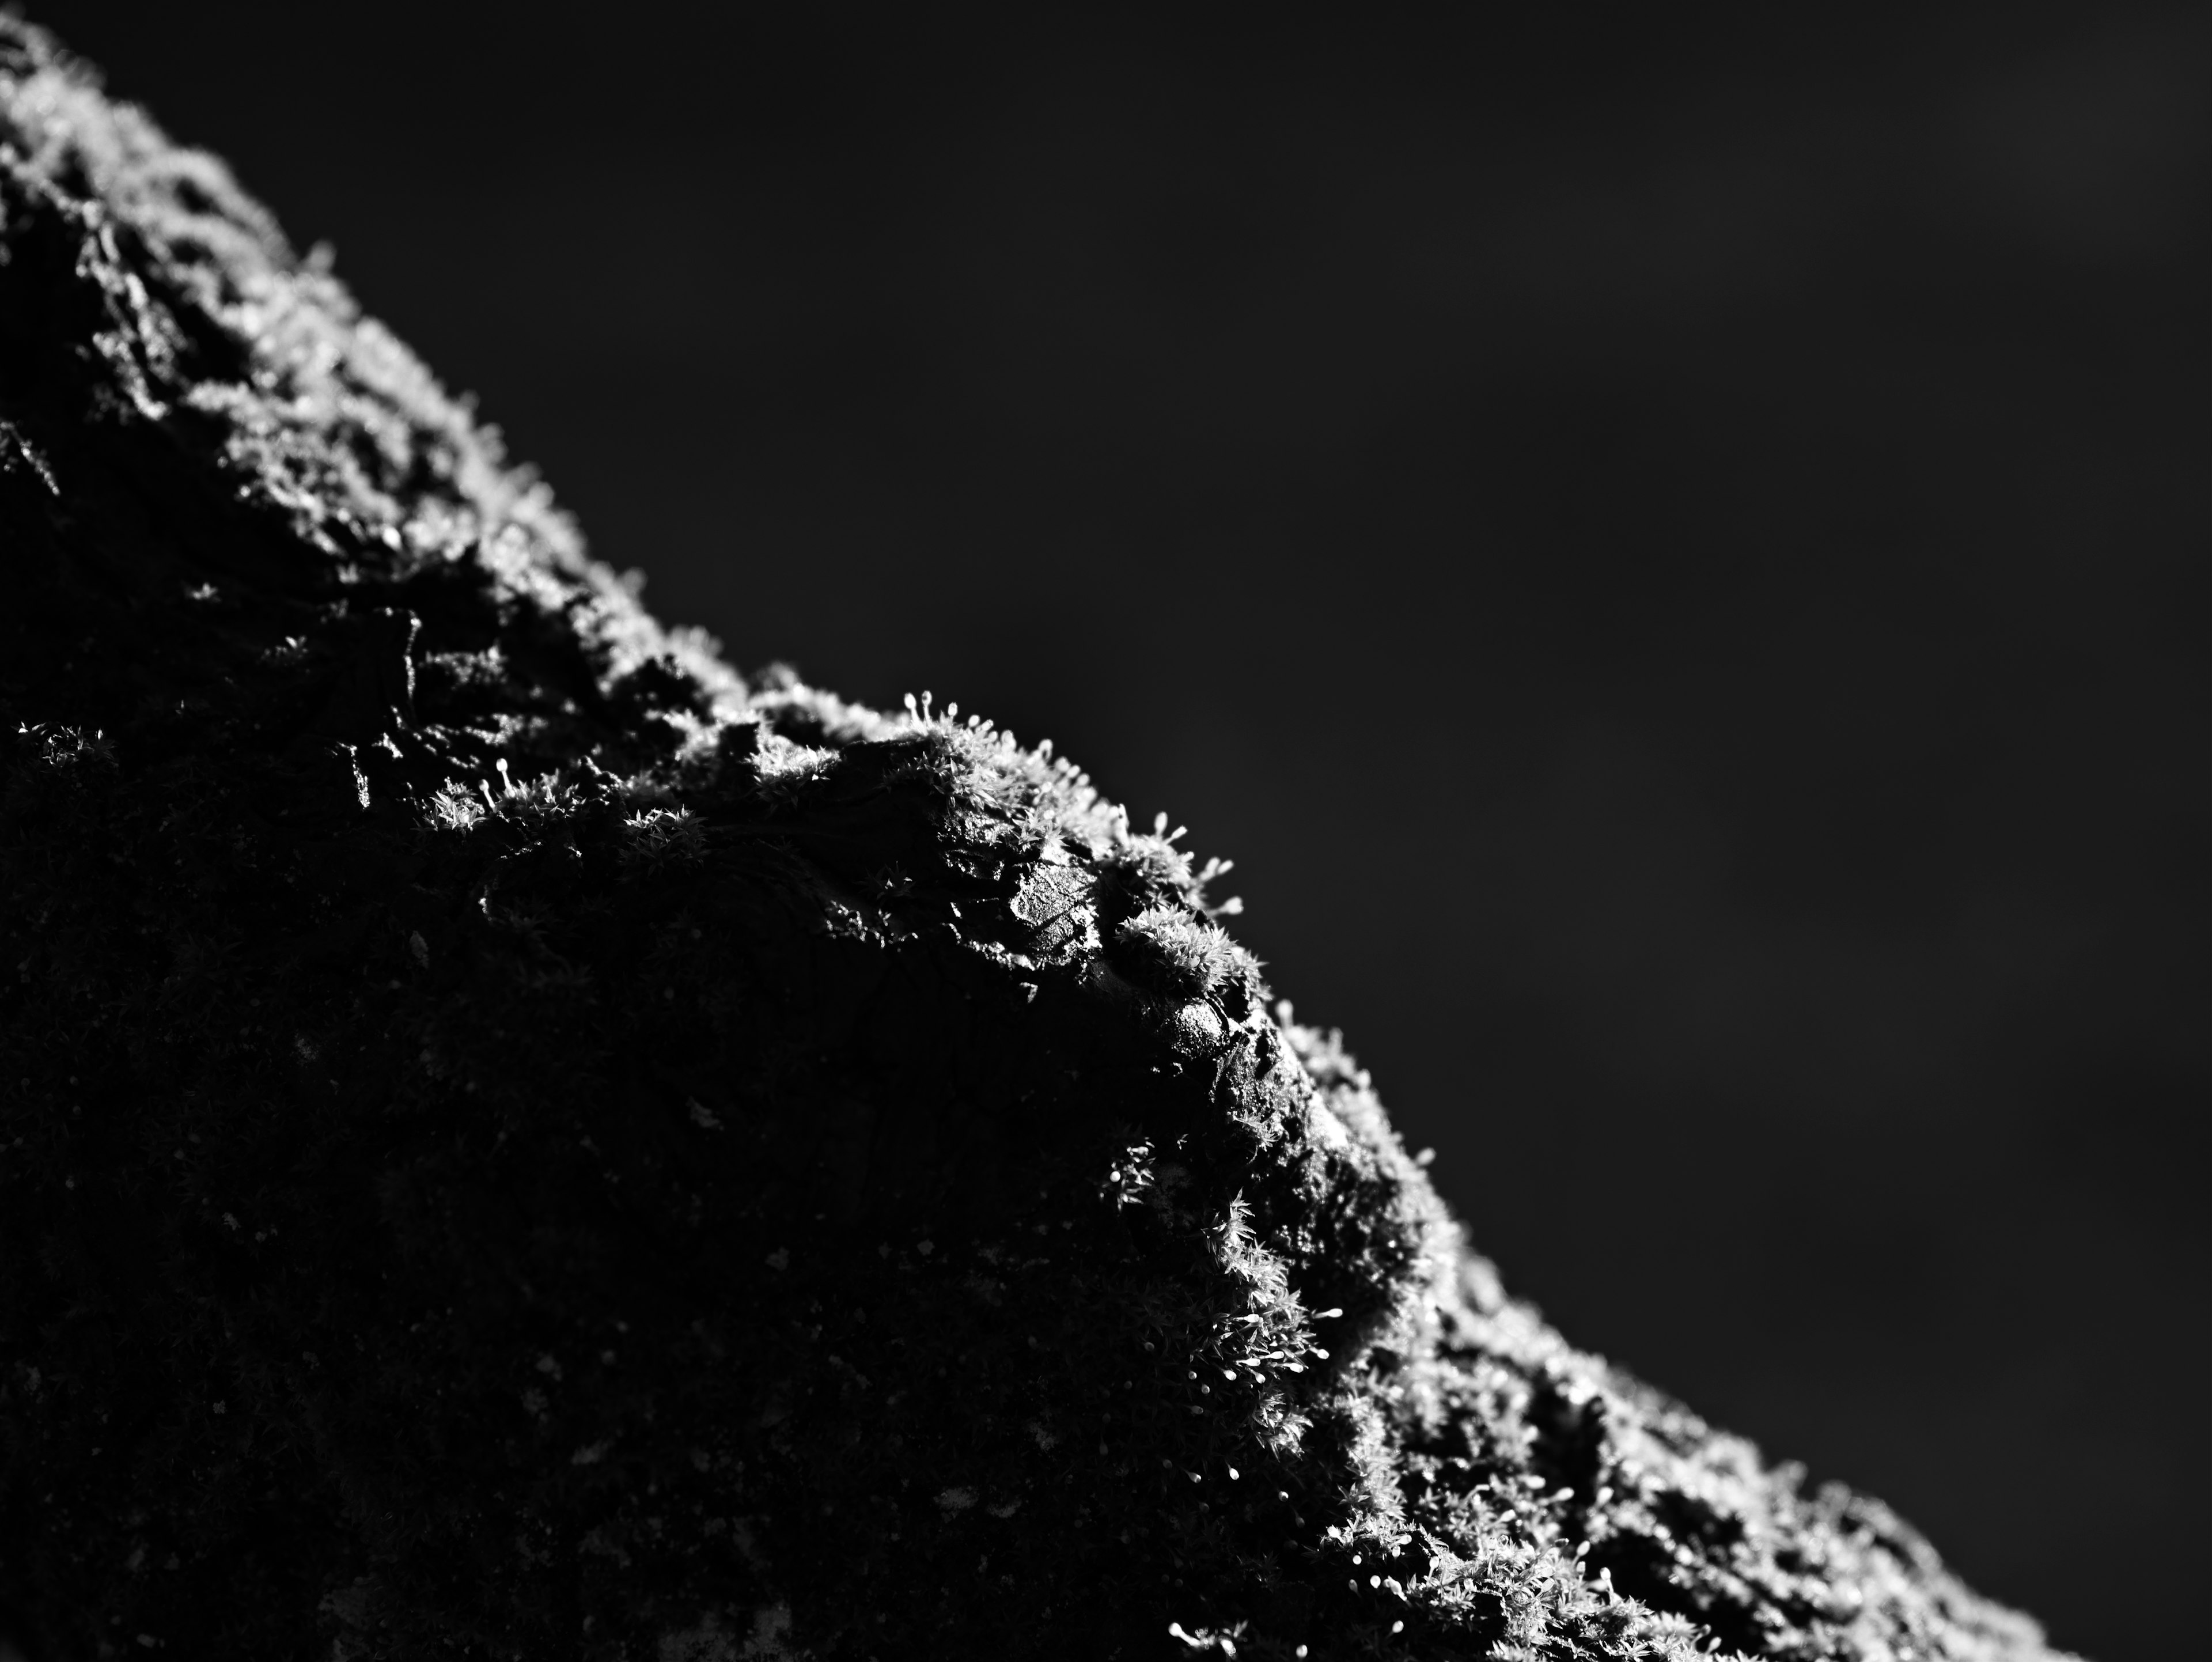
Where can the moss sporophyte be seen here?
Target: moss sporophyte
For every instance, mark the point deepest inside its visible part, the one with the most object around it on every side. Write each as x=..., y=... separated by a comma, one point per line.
x=516, y=1140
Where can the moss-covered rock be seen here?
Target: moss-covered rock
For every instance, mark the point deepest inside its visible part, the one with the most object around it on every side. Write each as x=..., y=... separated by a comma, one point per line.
x=514, y=1142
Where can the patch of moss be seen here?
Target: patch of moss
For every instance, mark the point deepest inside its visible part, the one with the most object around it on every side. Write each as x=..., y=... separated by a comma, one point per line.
x=516, y=1143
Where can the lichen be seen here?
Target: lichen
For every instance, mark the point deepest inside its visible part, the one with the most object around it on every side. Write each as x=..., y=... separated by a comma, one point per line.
x=516, y=1142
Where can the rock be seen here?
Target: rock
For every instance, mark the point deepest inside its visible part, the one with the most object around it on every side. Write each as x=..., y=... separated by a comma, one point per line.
x=515, y=1140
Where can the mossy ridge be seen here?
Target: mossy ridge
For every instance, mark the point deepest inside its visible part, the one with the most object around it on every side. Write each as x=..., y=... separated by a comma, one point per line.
x=438, y=988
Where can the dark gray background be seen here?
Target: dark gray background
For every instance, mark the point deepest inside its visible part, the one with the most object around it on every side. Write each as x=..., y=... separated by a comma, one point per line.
x=1662, y=542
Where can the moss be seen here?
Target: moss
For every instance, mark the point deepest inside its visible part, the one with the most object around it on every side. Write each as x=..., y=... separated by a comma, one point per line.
x=516, y=1142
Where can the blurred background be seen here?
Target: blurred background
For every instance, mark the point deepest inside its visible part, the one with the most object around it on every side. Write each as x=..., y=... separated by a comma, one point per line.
x=1665, y=543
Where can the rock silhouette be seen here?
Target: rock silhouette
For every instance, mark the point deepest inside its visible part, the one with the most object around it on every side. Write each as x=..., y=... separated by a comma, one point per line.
x=516, y=1141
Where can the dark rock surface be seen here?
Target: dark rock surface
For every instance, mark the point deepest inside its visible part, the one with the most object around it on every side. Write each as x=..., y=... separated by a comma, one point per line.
x=515, y=1142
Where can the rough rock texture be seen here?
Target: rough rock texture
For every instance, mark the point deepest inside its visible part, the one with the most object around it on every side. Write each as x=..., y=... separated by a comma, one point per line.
x=514, y=1142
